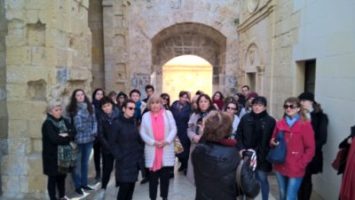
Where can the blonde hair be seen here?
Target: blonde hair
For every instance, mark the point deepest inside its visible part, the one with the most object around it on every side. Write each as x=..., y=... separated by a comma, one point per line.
x=154, y=99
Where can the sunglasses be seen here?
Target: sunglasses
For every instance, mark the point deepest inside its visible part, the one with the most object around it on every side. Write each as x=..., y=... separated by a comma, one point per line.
x=130, y=108
x=290, y=106
x=231, y=108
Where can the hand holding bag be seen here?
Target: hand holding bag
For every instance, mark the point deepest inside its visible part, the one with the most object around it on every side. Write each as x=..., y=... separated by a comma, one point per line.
x=277, y=155
x=178, y=148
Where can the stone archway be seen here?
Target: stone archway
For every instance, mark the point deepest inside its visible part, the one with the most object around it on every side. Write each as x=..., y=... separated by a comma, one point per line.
x=193, y=39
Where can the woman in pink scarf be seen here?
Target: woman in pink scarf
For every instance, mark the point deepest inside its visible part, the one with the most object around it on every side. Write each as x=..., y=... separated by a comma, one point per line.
x=158, y=131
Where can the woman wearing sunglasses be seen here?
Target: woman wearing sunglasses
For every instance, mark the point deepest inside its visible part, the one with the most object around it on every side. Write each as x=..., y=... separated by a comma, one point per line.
x=299, y=137
x=232, y=109
x=127, y=148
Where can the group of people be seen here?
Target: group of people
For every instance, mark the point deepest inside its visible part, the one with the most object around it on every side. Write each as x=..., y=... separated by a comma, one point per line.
x=132, y=135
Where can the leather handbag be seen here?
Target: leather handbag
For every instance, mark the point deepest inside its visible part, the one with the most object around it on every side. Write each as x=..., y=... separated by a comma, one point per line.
x=178, y=148
x=277, y=154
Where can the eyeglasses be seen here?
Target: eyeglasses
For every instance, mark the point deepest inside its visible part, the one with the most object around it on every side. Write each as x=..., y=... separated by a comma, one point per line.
x=231, y=108
x=130, y=108
x=290, y=106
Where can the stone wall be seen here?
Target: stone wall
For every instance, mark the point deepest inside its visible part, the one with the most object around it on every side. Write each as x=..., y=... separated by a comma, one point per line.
x=96, y=27
x=48, y=54
x=130, y=26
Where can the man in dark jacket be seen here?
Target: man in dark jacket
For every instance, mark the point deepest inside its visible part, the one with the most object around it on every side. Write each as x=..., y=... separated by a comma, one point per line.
x=254, y=132
x=110, y=114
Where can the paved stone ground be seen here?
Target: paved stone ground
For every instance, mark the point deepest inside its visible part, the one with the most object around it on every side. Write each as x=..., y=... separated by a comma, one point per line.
x=179, y=189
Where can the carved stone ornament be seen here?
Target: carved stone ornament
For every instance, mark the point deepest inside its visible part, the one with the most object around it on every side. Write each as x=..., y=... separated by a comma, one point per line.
x=253, y=5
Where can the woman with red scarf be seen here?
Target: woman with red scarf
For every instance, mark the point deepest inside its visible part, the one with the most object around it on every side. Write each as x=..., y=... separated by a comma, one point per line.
x=158, y=130
x=218, y=100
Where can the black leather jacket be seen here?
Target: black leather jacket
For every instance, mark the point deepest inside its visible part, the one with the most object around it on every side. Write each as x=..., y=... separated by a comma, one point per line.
x=215, y=172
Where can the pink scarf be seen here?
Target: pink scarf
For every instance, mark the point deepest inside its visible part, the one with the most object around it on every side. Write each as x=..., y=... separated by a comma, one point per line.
x=158, y=133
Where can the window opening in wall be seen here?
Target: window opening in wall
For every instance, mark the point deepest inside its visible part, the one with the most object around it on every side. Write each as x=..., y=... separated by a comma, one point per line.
x=310, y=76
x=251, y=80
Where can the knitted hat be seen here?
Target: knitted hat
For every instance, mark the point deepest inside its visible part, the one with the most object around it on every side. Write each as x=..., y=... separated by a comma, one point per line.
x=306, y=96
x=259, y=100
x=252, y=95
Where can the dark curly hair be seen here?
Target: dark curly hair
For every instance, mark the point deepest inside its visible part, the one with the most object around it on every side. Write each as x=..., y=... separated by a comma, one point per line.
x=72, y=107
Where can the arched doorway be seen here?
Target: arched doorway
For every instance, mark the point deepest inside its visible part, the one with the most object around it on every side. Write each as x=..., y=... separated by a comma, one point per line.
x=189, y=39
x=187, y=72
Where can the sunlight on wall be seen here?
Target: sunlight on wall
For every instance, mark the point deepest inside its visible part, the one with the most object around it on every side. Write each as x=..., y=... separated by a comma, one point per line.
x=188, y=72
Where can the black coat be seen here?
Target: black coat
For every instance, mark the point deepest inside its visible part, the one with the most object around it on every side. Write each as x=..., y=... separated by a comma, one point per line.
x=319, y=124
x=182, y=115
x=104, y=129
x=127, y=148
x=255, y=131
x=50, y=142
x=215, y=168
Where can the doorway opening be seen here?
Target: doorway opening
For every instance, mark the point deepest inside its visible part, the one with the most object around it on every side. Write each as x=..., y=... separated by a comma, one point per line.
x=189, y=73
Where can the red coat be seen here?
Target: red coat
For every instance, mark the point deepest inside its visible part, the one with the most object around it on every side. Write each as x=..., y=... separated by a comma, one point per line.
x=300, y=147
x=347, y=191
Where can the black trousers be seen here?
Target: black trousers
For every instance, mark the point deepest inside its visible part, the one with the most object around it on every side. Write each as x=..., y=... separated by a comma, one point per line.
x=163, y=175
x=126, y=191
x=107, y=167
x=97, y=157
x=305, y=191
x=53, y=182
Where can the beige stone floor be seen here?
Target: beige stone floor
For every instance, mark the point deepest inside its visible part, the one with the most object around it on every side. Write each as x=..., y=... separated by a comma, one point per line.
x=179, y=189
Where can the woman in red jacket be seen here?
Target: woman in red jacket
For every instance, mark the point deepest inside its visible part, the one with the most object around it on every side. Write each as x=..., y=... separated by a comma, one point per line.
x=299, y=137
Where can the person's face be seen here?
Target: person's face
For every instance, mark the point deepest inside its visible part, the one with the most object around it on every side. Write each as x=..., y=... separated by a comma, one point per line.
x=107, y=108
x=231, y=109
x=121, y=99
x=165, y=100
x=307, y=104
x=99, y=94
x=183, y=99
x=155, y=107
x=291, y=109
x=245, y=91
x=203, y=104
x=258, y=108
x=149, y=92
x=80, y=96
x=56, y=112
x=135, y=96
x=217, y=96
x=128, y=111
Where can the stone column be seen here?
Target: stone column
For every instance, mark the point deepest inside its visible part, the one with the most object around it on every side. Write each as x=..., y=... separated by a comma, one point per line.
x=115, y=44
x=47, y=53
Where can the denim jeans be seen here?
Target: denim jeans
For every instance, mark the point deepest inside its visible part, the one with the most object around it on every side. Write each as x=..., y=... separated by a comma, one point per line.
x=288, y=186
x=80, y=174
x=261, y=176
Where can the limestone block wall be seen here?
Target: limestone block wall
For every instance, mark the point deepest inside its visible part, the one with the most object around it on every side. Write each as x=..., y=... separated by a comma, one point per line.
x=48, y=54
x=130, y=26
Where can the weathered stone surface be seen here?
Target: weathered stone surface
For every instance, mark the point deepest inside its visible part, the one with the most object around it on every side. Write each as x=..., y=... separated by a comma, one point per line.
x=37, y=37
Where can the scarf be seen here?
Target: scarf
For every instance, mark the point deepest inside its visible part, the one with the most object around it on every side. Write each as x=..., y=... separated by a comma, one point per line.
x=219, y=103
x=66, y=155
x=292, y=120
x=158, y=133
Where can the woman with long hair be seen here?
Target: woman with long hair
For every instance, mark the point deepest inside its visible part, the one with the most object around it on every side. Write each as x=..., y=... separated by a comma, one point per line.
x=194, y=131
x=217, y=100
x=82, y=115
x=97, y=95
x=300, y=145
x=319, y=121
x=158, y=131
